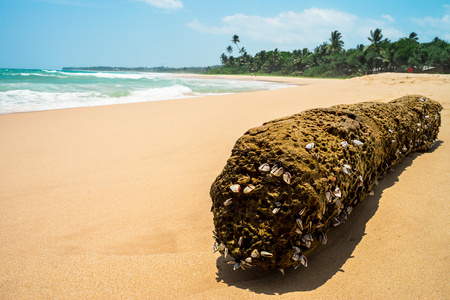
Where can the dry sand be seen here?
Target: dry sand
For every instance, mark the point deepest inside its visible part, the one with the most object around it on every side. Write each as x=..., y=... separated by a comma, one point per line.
x=113, y=202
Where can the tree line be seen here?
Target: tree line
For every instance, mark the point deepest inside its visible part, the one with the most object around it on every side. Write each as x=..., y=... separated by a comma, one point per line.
x=330, y=59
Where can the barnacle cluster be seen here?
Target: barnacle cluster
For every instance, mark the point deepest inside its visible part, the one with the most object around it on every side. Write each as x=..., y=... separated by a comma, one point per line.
x=290, y=180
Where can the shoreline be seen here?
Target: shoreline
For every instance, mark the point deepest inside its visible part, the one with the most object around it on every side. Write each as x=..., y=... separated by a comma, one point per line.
x=195, y=87
x=279, y=79
x=113, y=201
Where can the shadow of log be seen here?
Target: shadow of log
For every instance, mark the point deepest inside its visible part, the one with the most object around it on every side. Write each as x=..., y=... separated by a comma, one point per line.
x=328, y=259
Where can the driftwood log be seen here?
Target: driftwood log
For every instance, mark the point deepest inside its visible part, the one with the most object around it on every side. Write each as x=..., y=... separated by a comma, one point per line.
x=290, y=180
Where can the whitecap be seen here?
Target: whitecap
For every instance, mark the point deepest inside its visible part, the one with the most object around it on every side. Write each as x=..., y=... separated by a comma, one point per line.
x=117, y=75
x=28, y=100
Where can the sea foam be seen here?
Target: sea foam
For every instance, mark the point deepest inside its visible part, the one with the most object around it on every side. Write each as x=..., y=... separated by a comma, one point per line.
x=34, y=90
x=26, y=100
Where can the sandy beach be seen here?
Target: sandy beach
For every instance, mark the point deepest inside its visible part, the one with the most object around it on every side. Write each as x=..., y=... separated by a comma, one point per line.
x=112, y=202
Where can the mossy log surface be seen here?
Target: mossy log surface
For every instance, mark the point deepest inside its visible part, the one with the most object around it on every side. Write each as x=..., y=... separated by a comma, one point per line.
x=290, y=180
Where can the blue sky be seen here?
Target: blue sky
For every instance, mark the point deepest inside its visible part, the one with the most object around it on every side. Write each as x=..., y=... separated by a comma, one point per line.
x=51, y=34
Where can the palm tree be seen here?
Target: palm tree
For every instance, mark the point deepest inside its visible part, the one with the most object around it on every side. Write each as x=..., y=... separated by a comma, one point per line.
x=319, y=56
x=276, y=58
x=436, y=40
x=375, y=38
x=235, y=40
x=387, y=56
x=245, y=58
x=273, y=61
x=413, y=36
x=322, y=49
x=299, y=57
x=229, y=49
x=224, y=59
x=260, y=59
x=336, y=42
x=231, y=61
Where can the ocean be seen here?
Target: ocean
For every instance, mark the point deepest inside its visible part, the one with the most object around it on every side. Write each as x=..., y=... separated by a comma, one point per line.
x=34, y=90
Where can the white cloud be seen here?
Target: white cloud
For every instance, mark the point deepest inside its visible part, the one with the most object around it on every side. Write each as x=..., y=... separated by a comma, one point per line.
x=366, y=25
x=388, y=18
x=166, y=4
x=308, y=28
x=287, y=27
x=435, y=27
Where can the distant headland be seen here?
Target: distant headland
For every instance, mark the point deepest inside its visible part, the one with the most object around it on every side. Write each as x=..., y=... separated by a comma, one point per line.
x=161, y=69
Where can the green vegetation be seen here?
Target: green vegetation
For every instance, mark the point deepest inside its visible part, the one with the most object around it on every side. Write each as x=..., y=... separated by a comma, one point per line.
x=330, y=59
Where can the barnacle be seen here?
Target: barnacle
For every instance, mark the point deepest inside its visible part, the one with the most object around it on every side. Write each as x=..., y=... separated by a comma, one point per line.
x=305, y=173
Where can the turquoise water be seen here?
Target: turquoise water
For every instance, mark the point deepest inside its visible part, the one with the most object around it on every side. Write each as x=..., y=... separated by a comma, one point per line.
x=33, y=90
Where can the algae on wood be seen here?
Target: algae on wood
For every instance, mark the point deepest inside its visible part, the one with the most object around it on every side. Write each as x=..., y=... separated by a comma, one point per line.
x=290, y=180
